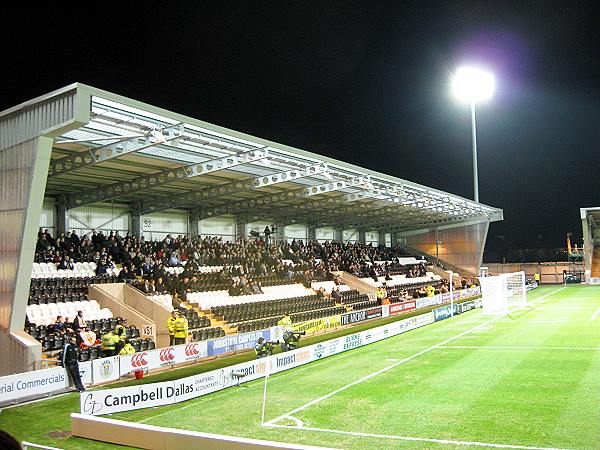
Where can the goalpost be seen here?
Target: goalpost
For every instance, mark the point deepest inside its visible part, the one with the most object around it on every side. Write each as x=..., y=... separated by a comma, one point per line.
x=500, y=292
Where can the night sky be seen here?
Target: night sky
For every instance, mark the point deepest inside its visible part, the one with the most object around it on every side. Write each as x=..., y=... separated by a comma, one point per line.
x=364, y=82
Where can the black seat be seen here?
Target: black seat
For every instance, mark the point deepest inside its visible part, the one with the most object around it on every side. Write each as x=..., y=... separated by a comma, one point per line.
x=136, y=344
x=94, y=353
x=84, y=355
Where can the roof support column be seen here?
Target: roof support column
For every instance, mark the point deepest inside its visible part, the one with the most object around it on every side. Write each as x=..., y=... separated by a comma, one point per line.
x=136, y=221
x=279, y=225
x=381, y=238
x=362, y=236
x=240, y=227
x=61, y=216
x=311, y=232
x=23, y=169
x=338, y=234
x=194, y=227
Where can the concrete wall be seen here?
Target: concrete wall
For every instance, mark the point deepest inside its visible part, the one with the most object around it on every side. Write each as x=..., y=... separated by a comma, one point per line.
x=161, y=438
x=550, y=272
x=158, y=313
x=111, y=296
x=27, y=133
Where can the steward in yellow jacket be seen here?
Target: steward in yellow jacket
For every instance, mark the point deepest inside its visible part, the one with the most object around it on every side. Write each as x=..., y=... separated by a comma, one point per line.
x=285, y=322
x=127, y=349
x=171, y=327
x=180, y=328
x=109, y=341
x=381, y=294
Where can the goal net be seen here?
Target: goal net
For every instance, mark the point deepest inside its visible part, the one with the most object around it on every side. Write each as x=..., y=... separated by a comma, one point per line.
x=501, y=292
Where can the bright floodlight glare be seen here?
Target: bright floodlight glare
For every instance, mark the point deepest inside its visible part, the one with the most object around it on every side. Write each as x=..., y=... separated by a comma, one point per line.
x=472, y=85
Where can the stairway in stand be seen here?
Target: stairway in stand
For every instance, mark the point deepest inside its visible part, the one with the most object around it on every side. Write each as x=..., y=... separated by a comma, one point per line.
x=596, y=263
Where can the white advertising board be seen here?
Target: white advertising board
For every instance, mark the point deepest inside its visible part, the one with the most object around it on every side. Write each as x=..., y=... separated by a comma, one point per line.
x=85, y=372
x=425, y=302
x=124, y=399
x=27, y=384
x=105, y=369
x=162, y=357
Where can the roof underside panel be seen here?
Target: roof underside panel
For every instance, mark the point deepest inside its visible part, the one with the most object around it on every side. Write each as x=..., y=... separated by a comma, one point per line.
x=175, y=163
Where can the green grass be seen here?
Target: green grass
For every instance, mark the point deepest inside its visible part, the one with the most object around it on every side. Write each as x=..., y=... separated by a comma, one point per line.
x=505, y=383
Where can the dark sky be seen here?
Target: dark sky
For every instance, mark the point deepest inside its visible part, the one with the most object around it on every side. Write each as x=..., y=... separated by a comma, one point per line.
x=364, y=82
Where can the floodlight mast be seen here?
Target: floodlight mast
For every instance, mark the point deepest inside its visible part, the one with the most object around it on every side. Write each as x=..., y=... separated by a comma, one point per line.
x=473, y=85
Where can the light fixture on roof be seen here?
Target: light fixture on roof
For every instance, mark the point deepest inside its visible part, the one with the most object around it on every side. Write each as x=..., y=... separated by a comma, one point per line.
x=157, y=137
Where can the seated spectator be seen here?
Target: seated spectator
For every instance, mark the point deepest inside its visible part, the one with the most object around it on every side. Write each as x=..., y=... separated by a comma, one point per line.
x=131, y=273
x=59, y=325
x=336, y=295
x=337, y=280
x=67, y=264
x=149, y=287
x=176, y=300
x=174, y=260
x=123, y=275
x=69, y=327
x=160, y=286
x=235, y=288
x=257, y=288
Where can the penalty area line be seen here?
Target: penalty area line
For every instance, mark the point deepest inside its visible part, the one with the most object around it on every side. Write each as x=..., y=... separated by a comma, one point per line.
x=402, y=361
x=414, y=438
x=595, y=314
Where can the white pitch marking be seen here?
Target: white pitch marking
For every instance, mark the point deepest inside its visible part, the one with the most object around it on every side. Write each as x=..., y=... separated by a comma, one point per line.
x=247, y=385
x=562, y=308
x=409, y=358
x=299, y=423
x=517, y=347
x=419, y=439
x=595, y=314
x=385, y=369
x=547, y=321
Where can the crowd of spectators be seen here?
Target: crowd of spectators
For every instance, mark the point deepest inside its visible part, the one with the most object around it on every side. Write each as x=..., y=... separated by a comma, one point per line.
x=244, y=262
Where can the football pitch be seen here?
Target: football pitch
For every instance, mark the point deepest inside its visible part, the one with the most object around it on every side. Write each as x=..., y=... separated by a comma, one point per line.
x=529, y=380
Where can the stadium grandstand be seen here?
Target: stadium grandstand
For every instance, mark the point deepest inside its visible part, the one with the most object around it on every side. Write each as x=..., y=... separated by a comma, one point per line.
x=590, y=224
x=125, y=211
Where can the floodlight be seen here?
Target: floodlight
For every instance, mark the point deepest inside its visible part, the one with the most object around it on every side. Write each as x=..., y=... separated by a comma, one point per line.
x=471, y=84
